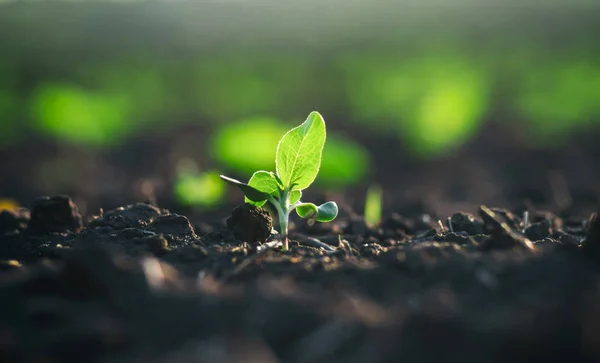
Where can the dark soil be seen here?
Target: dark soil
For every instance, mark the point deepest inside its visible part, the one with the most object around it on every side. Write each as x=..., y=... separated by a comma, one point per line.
x=138, y=283
x=141, y=284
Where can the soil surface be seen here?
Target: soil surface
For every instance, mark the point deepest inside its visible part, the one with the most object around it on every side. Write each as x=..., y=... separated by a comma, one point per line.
x=142, y=284
x=136, y=282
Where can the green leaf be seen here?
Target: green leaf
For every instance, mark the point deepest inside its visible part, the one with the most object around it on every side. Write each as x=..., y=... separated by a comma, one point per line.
x=307, y=210
x=256, y=196
x=326, y=212
x=299, y=153
x=373, y=204
x=266, y=182
x=295, y=196
x=279, y=182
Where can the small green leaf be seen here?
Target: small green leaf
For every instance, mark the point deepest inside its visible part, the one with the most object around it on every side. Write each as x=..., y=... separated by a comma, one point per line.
x=279, y=182
x=266, y=182
x=299, y=153
x=373, y=204
x=295, y=196
x=326, y=212
x=307, y=210
x=254, y=195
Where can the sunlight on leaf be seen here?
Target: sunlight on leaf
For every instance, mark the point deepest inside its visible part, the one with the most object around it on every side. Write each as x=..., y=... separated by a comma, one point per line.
x=299, y=153
x=264, y=181
x=250, y=145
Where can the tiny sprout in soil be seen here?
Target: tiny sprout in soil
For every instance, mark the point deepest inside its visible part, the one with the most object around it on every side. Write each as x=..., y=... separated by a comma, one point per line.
x=297, y=164
x=373, y=205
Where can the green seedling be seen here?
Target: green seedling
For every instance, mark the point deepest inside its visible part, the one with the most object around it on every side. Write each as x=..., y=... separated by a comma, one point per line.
x=373, y=205
x=297, y=164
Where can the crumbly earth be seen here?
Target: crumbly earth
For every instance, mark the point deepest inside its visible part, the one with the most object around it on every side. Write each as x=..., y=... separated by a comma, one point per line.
x=141, y=284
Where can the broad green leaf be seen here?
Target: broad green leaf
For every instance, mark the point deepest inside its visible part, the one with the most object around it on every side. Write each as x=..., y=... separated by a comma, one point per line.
x=299, y=153
x=326, y=212
x=256, y=196
x=295, y=196
x=266, y=182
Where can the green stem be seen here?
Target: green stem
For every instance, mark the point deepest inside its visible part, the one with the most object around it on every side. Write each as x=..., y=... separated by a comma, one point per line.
x=283, y=215
x=283, y=225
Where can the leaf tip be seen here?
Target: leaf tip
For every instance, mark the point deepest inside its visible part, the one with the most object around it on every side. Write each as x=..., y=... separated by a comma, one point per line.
x=228, y=179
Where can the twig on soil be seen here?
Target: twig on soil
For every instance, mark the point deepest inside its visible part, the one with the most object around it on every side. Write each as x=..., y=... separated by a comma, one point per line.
x=345, y=246
x=441, y=226
x=313, y=242
x=525, y=221
x=503, y=236
x=269, y=246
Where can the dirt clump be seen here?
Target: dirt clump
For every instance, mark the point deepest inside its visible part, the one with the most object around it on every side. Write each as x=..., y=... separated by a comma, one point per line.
x=54, y=215
x=249, y=223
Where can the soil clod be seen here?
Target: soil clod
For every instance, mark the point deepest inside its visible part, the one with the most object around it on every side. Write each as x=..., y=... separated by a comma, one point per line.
x=54, y=215
x=138, y=215
x=13, y=221
x=250, y=224
x=173, y=224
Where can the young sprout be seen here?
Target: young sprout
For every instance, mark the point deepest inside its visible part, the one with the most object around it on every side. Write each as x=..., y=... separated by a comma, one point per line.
x=373, y=205
x=525, y=221
x=450, y=226
x=297, y=164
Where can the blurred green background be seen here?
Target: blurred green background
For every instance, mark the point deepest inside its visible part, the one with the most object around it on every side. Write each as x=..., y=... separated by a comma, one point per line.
x=92, y=79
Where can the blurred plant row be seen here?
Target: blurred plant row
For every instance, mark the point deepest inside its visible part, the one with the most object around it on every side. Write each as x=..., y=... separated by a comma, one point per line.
x=432, y=100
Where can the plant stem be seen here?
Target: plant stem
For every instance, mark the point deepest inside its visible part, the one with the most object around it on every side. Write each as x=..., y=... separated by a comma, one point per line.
x=283, y=225
x=283, y=215
x=284, y=218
